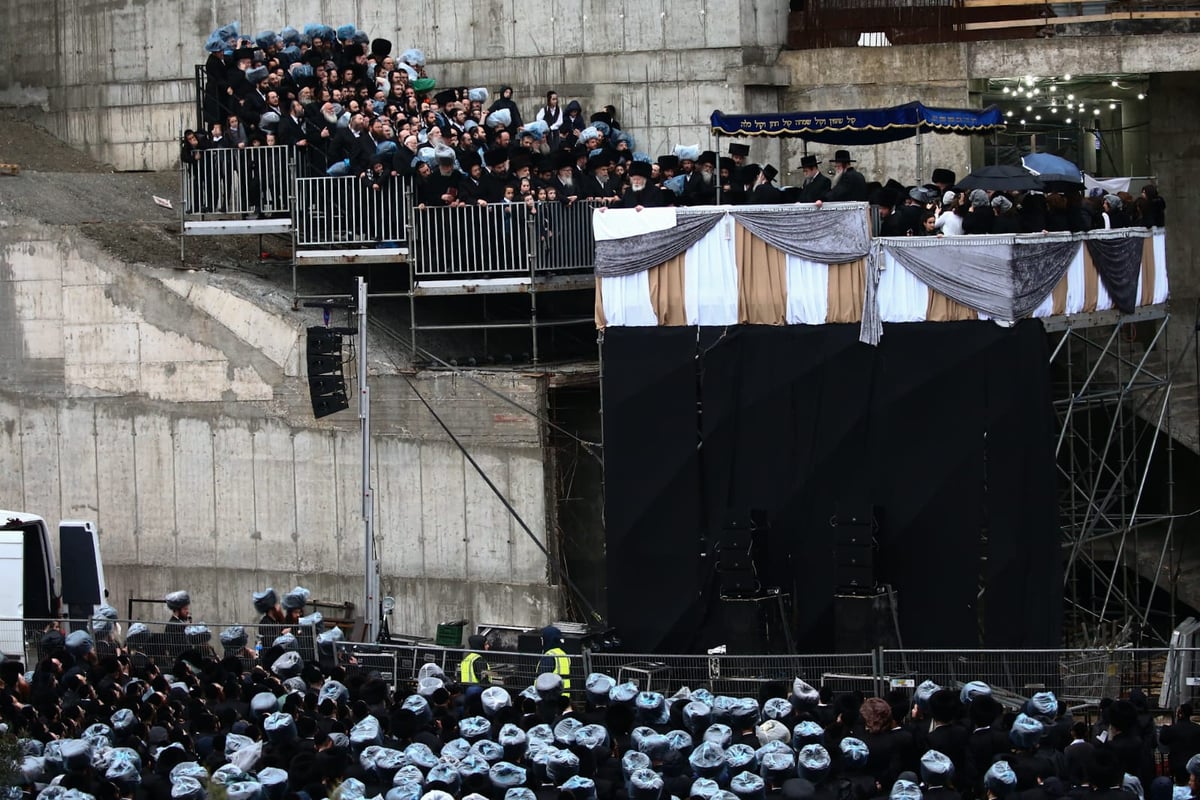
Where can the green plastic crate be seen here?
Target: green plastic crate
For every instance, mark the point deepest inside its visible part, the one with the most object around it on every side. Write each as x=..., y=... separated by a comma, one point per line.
x=450, y=634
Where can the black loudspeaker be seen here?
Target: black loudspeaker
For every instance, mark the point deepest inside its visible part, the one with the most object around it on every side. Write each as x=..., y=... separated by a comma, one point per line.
x=326, y=384
x=854, y=550
x=864, y=622
x=741, y=550
x=752, y=625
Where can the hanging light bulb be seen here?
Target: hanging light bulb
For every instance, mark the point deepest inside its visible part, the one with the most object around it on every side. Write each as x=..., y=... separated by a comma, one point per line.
x=1141, y=96
x=1053, y=88
x=1070, y=97
x=1037, y=90
x=1022, y=122
x=1096, y=112
x=1010, y=113
x=1068, y=120
x=1038, y=117
x=1006, y=90
x=1112, y=106
x=1029, y=80
x=1114, y=83
x=1053, y=109
x=1029, y=108
x=1067, y=77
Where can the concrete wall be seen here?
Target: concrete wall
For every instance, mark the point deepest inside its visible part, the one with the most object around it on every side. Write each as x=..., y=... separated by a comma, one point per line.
x=120, y=75
x=171, y=410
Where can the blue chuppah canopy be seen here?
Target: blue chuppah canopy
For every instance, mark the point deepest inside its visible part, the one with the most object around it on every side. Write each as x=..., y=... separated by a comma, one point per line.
x=861, y=126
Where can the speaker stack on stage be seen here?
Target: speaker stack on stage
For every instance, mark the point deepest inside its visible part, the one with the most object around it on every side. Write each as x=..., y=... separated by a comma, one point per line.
x=326, y=384
x=754, y=617
x=863, y=610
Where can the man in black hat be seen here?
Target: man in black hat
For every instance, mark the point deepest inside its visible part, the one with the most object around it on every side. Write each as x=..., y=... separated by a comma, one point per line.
x=596, y=185
x=565, y=180
x=701, y=186
x=849, y=185
x=496, y=175
x=815, y=185
x=641, y=193
x=764, y=193
x=471, y=189
x=739, y=153
x=944, y=179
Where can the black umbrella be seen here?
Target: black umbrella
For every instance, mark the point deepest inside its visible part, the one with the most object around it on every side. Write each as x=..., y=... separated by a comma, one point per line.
x=1001, y=178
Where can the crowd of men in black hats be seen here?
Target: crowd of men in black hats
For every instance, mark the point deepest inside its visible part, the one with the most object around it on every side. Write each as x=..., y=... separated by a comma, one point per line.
x=98, y=717
x=350, y=107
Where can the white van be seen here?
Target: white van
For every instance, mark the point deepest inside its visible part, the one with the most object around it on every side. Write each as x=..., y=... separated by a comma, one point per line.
x=30, y=586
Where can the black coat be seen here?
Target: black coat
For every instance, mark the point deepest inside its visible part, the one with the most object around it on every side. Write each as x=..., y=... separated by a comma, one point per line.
x=650, y=197
x=1182, y=741
x=851, y=187
x=816, y=189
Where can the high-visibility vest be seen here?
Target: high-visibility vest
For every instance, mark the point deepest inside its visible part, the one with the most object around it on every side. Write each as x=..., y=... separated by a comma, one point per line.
x=562, y=665
x=466, y=670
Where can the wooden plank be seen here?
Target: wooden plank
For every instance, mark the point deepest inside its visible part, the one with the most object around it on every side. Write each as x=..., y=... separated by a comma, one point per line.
x=1114, y=17
x=968, y=4
x=1030, y=23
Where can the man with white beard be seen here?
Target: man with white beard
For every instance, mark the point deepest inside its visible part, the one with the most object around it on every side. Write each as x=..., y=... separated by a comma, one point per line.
x=564, y=178
x=641, y=193
x=701, y=186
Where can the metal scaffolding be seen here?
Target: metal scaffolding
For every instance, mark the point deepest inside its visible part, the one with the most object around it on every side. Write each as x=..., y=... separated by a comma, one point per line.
x=1115, y=456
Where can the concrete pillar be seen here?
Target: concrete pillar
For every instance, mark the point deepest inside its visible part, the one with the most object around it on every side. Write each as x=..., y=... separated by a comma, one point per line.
x=1175, y=158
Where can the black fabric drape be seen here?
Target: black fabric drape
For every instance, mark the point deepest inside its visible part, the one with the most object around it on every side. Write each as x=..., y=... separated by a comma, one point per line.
x=1119, y=262
x=651, y=482
x=943, y=429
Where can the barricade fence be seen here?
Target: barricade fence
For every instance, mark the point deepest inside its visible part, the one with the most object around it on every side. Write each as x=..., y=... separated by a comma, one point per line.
x=238, y=182
x=351, y=211
x=1077, y=677
x=33, y=639
x=503, y=238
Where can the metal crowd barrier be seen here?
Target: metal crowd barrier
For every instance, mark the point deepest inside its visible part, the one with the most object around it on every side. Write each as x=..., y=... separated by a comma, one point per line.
x=26, y=638
x=400, y=664
x=346, y=211
x=1077, y=677
x=502, y=239
x=739, y=675
x=233, y=182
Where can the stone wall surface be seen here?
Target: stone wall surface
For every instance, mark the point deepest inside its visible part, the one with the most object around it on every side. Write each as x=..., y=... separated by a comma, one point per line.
x=172, y=409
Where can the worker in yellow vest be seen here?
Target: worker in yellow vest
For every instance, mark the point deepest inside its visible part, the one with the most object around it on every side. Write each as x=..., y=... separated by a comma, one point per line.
x=554, y=658
x=474, y=667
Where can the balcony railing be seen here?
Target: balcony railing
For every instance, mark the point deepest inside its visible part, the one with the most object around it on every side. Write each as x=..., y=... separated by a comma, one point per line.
x=847, y=23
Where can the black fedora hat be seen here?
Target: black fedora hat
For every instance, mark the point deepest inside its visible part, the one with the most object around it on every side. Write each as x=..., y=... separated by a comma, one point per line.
x=842, y=157
x=809, y=162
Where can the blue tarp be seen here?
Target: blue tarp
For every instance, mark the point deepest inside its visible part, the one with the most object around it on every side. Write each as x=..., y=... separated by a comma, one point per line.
x=861, y=126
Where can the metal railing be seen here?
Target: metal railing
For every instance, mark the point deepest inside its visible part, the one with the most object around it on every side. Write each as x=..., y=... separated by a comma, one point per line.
x=33, y=640
x=502, y=238
x=1077, y=677
x=400, y=664
x=738, y=675
x=846, y=23
x=238, y=182
x=348, y=212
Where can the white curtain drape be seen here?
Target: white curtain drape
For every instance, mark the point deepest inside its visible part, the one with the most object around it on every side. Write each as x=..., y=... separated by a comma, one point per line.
x=807, y=292
x=710, y=288
x=627, y=300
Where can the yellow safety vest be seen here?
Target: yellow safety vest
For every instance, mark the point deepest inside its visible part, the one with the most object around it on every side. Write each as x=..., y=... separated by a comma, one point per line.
x=466, y=670
x=562, y=665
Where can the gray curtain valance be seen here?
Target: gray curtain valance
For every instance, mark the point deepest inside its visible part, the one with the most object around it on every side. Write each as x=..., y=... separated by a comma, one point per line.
x=1005, y=277
x=825, y=235
x=834, y=234
x=616, y=257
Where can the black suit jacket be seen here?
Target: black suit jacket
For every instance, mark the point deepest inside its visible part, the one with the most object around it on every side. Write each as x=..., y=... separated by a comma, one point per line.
x=816, y=189
x=1183, y=741
x=852, y=186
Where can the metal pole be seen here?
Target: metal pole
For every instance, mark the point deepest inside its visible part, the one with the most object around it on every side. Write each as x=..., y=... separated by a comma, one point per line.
x=371, y=575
